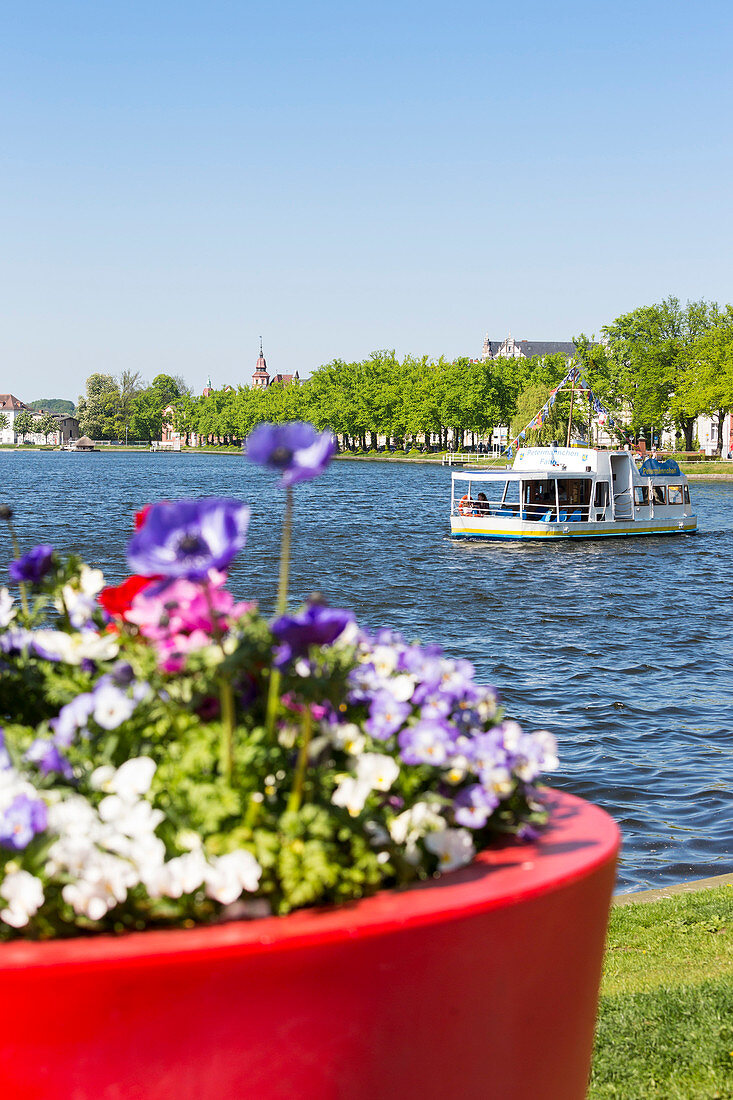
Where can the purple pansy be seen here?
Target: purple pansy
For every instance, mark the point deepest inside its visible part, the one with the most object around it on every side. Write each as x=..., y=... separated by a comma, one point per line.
x=33, y=566
x=386, y=716
x=71, y=718
x=5, y=761
x=474, y=806
x=187, y=538
x=315, y=625
x=21, y=820
x=425, y=743
x=296, y=450
x=47, y=758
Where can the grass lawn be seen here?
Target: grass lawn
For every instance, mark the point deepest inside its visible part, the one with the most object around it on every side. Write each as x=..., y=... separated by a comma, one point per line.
x=665, y=1025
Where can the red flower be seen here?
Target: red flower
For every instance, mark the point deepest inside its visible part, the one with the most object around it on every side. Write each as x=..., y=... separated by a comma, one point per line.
x=118, y=601
x=141, y=516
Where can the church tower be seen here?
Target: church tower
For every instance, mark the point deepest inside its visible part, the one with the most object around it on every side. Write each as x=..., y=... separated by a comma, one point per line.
x=261, y=378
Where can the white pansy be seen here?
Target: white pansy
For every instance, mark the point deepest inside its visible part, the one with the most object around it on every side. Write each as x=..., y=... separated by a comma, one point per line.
x=511, y=734
x=378, y=770
x=401, y=687
x=112, y=707
x=91, y=581
x=453, y=847
x=408, y=826
x=348, y=737
x=24, y=895
x=384, y=659
x=7, y=609
x=72, y=649
x=133, y=819
x=180, y=875
x=229, y=875
x=497, y=780
x=302, y=668
x=102, y=777
x=459, y=767
x=133, y=778
x=103, y=885
x=351, y=793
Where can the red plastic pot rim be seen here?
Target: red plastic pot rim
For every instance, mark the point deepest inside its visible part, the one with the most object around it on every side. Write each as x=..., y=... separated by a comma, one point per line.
x=578, y=839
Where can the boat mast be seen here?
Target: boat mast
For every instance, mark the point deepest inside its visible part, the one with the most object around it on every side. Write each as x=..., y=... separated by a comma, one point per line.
x=570, y=420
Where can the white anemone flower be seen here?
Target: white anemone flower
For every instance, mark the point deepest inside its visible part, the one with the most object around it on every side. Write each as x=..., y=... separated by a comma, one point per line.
x=112, y=707
x=7, y=610
x=453, y=847
x=24, y=895
x=230, y=874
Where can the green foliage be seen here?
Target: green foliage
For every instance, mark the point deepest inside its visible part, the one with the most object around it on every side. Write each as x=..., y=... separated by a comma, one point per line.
x=54, y=405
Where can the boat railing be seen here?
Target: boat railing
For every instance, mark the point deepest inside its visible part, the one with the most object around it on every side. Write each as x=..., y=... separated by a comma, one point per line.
x=539, y=513
x=463, y=458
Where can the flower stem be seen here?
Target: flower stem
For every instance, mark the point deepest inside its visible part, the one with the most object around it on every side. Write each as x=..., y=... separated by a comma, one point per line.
x=228, y=726
x=282, y=588
x=296, y=795
x=273, y=693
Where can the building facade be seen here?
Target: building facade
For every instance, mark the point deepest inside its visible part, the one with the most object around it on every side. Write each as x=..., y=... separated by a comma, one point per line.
x=11, y=407
x=525, y=349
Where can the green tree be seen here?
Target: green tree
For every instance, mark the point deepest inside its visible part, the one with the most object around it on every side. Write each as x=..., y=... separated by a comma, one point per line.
x=707, y=387
x=652, y=351
x=47, y=425
x=24, y=424
x=4, y=421
x=54, y=405
x=98, y=411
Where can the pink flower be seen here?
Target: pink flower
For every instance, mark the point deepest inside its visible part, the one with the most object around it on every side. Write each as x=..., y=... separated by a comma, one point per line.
x=184, y=615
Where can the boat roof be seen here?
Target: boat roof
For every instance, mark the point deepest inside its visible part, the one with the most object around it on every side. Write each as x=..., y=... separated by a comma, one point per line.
x=562, y=462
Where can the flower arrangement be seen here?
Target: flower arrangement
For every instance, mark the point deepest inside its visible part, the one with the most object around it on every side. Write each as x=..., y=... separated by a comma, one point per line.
x=170, y=756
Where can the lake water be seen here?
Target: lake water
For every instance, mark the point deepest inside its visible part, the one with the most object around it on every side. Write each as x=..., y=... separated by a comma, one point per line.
x=622, y=648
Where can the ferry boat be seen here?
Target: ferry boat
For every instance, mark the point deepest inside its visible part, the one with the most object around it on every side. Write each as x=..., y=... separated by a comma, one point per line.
x=572, y=493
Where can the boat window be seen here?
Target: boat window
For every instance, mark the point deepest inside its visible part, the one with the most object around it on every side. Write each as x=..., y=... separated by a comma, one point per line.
x=540, y=492
x=658, y=494
x=601, y=499
x=674, y=494
x=641, y=495
x=687, y=494
x=574, y=490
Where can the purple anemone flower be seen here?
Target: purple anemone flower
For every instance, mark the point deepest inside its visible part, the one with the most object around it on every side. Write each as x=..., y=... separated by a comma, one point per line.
x=187, y=538
x=33, y=566
x=296, y=450
x=20, y=822
x=315, y=625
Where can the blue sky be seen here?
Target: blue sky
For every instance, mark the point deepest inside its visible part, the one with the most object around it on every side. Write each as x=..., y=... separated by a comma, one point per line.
x=177, y=179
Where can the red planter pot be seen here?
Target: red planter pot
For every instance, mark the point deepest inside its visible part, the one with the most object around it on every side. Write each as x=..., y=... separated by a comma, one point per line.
x=481, y=984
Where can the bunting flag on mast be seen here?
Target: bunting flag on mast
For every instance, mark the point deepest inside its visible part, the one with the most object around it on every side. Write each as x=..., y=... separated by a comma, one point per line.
x=574, y=377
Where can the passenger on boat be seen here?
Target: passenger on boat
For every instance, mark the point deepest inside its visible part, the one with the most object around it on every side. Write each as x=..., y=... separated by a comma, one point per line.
x=482, y=505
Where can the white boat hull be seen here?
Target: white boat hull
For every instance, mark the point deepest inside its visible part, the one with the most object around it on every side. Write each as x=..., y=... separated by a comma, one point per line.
x=499, y=527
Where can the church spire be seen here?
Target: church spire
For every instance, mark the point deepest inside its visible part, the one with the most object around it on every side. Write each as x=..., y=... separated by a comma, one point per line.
x=261, y=378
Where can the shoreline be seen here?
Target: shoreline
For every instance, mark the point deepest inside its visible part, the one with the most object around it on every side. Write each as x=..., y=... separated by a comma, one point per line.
x=425, y=460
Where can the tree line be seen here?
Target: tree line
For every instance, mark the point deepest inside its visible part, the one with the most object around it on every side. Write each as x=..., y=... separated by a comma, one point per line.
x=659, y=366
